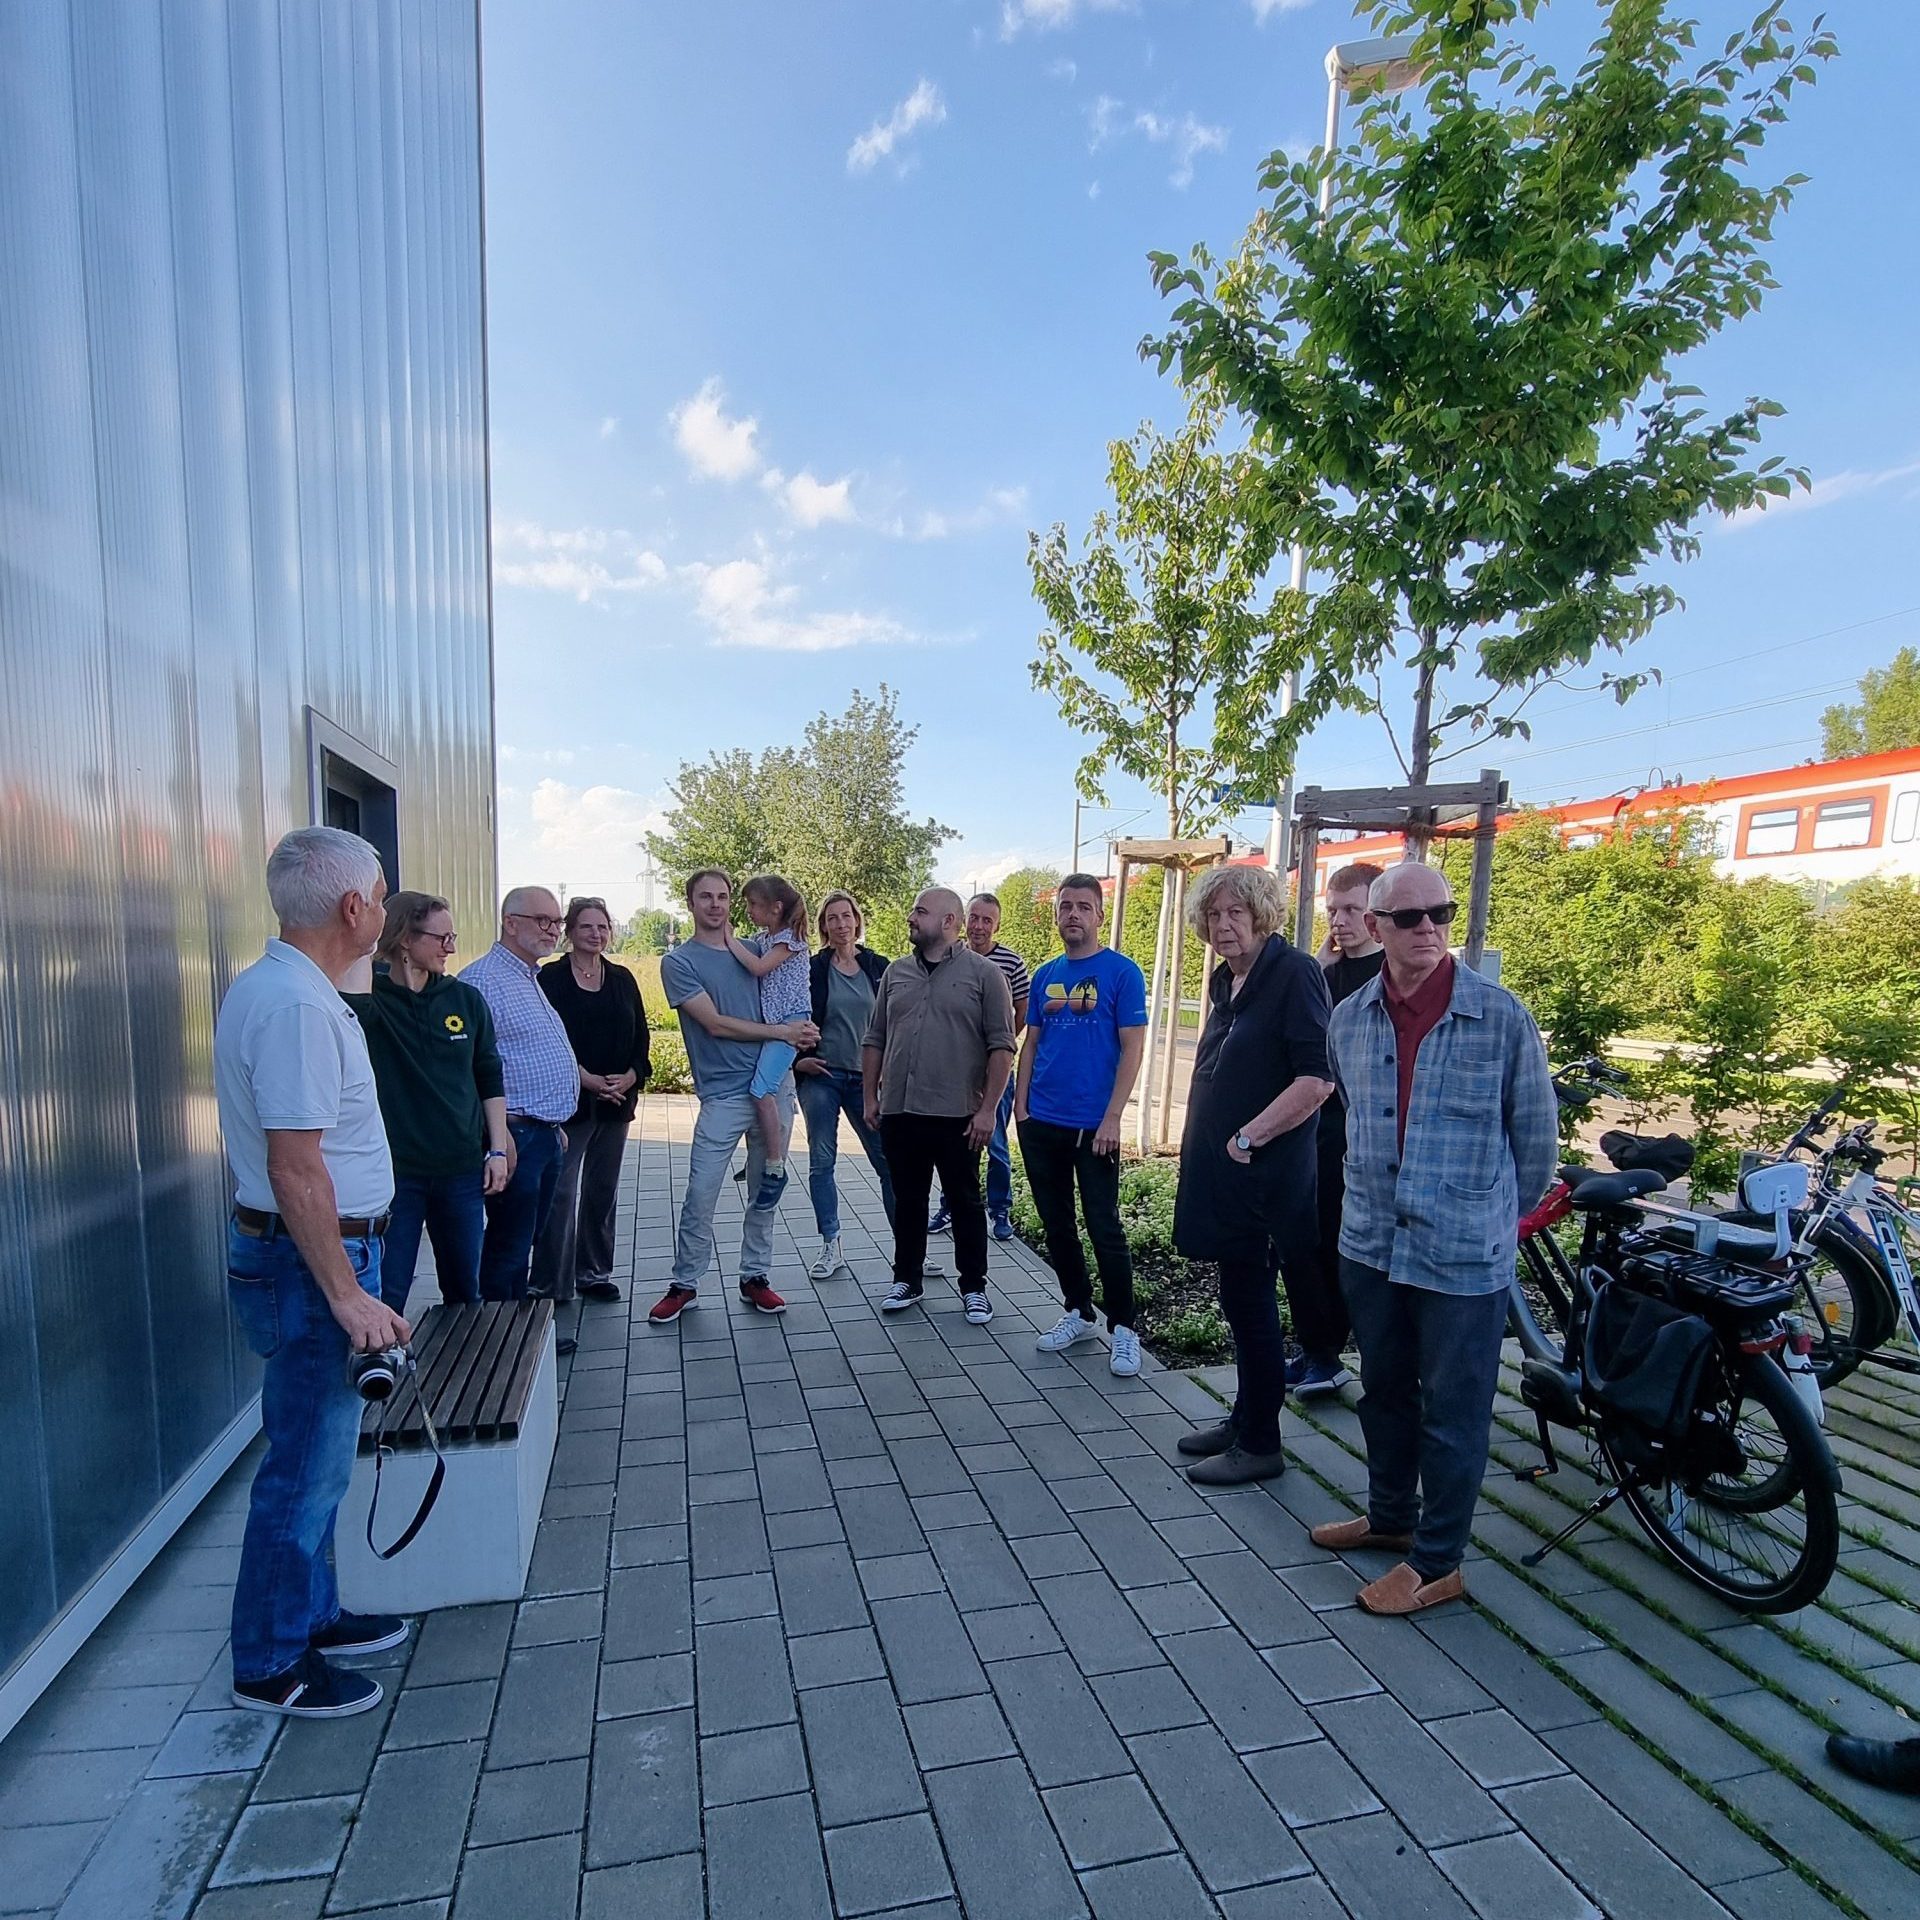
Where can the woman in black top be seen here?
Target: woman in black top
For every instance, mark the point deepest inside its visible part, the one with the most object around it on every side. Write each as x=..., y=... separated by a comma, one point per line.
x=1246, y=1193
x=599, y=1004
x=846, y=976
x=437, y=1070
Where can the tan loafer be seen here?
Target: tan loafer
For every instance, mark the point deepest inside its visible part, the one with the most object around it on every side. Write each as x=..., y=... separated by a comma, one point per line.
x=1343, y=1536
x=1401, y=1590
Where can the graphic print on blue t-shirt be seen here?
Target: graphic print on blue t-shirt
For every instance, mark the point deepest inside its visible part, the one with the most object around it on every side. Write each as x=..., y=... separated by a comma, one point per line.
x=1077, y=1009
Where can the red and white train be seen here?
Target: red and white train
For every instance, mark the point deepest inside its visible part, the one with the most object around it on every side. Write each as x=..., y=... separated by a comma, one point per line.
x=1832, y=822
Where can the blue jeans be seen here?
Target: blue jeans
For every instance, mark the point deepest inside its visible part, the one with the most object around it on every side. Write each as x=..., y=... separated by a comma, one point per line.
x=285, y=1592
x=999, y=1161
x=824, y=1097
x=1429, y=1364
x=453, y=1211
x=516, y=1214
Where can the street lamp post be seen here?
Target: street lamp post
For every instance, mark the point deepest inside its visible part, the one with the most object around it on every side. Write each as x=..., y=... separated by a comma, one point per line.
x=1384, y=65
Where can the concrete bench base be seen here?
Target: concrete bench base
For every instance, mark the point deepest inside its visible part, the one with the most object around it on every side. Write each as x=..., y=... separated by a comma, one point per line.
x=478, y=1541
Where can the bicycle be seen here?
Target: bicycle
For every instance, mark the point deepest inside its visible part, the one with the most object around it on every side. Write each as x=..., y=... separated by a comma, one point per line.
x=1676, y=1361
x=1848, y=1183
x=1846, y=1297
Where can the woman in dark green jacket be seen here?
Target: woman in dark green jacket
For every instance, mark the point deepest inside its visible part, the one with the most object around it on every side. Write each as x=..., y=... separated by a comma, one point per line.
x=437, y=1069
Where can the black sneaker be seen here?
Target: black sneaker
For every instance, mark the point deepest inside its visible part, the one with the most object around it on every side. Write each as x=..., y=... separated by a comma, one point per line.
x=360, y=1633
x=312, y=1690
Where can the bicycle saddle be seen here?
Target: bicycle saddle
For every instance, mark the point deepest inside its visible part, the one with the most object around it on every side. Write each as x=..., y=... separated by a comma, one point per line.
x=1666, y=1154
x=1601, y=1190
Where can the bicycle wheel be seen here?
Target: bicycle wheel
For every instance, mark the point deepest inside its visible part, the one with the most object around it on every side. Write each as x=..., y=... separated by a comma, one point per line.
x=1764, y=1534
x=1845, y=1298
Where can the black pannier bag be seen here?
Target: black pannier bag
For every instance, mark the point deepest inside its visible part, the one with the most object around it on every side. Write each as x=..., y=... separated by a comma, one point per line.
x=1644, y=1361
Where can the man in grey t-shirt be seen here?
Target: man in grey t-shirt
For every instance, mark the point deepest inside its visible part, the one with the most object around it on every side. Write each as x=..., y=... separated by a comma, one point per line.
x=718, y=1001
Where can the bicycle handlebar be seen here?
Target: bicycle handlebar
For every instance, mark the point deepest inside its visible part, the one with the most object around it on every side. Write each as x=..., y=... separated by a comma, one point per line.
x=1815, y=1123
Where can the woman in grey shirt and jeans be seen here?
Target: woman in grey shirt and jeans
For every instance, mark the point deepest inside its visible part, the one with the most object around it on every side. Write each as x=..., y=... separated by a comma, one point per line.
x=845, y=975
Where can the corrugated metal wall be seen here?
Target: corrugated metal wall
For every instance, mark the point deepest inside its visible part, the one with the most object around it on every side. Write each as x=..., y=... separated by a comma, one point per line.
x=242, y=474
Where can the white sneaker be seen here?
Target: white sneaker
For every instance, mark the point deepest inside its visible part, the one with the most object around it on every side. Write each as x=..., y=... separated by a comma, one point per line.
x=979, y=1308
x=1125, y=1360
x=1064, y=1332
x=901, y=1298
x=829, y=1262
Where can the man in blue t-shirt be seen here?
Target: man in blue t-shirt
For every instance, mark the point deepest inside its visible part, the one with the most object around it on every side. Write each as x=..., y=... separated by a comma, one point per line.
x=1086, y=1030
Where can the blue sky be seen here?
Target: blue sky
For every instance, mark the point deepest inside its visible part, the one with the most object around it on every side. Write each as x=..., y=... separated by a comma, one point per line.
x=802, y=314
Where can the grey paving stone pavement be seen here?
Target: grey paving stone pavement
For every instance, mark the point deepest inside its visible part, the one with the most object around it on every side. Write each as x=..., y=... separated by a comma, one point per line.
x=842, y=1614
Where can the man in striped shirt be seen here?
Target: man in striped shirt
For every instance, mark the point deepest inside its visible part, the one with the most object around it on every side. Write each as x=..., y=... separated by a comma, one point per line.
x=983, y=936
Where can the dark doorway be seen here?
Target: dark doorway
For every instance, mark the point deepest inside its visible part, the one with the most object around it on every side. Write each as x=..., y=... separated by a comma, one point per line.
x=356, y=790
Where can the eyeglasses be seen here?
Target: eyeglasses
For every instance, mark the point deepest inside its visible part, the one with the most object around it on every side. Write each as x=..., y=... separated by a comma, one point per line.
x=546, y=922
x=444, y=941
x=1407, y=918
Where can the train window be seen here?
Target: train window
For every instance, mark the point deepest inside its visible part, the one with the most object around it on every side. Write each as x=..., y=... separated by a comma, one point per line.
x=1906, y=814
x=1843, y=823
x=1775, y=830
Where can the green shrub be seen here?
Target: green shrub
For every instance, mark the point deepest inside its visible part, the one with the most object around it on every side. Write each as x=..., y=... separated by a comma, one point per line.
x=671, y=1074
x=1198, y=1334
x=645, y=968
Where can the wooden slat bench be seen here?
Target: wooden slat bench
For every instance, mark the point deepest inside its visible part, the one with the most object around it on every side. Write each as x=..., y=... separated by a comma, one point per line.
x=486, y=1374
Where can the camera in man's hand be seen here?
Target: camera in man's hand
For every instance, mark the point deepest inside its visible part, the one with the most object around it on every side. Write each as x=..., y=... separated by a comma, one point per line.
x=375, y=1375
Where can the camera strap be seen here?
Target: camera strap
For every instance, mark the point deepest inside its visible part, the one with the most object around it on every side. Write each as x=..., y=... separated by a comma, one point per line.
x=381, y=1449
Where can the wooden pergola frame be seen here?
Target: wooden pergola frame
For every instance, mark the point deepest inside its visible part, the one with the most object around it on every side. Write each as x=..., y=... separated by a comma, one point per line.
x=1468, y=809
x=1178, y=858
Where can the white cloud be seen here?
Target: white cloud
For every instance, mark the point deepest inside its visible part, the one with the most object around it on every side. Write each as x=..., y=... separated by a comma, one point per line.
x=1187, y=135
x=1829, y=492
x=812, y=502
x=588, y=838
x=1067, y=70
x=923, y=107
x=996, y=505
x=1264, y=10
x=1049, y=16
x=582, y=562
x=609, y=426
x=969, y=867
x=743, y=607
x=716, y=446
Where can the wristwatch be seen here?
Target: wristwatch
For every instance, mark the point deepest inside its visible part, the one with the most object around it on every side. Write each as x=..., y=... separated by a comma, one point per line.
x=496, y=1153
x=1243, y=1140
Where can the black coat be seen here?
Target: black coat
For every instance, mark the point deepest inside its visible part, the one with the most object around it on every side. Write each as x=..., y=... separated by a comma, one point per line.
x=1254, y=1046
x=607, y=1030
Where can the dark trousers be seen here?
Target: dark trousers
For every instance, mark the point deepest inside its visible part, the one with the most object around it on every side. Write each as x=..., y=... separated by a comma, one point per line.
x=576, y=1243
x=1315, y=1301
x=919, y=1145
x=453, y=1211
x=1250, y=1302
x=1428, y=1366
x=516, y=1214
x=1056, y=1159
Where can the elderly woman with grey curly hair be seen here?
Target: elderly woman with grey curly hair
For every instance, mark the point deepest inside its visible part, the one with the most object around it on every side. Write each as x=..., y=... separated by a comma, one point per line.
x=1247, y=1158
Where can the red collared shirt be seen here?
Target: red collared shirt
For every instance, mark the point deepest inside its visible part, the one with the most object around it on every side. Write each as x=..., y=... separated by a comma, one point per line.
x=1414, y=1016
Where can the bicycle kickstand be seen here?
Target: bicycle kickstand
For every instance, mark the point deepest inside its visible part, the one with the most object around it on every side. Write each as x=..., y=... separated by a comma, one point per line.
x=1608, y=1495
x=1549, y=1460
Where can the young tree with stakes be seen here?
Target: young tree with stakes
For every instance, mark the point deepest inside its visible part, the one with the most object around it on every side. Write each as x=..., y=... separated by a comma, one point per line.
x=1462, y=377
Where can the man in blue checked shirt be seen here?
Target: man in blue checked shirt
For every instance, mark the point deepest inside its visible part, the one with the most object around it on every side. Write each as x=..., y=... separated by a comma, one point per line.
x=543, y=1086
x=1452, y=1133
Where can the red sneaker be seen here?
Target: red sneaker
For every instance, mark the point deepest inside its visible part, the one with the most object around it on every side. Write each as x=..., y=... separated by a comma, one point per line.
x=672, y=1304
x=761, y=1297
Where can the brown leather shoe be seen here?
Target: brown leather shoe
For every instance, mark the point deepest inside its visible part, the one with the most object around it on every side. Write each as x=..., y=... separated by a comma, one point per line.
x=1343, y=1536
x=1401, y=1590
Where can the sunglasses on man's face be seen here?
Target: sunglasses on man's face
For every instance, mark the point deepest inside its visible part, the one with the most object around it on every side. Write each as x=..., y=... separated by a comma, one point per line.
x=1407, y=918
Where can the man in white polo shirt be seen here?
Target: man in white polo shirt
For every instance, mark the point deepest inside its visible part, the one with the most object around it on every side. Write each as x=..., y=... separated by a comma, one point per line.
x=313, y=1182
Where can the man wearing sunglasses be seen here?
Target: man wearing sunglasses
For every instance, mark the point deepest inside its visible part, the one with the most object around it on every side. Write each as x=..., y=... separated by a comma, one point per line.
x=543, y=1086
x=1451, y=1134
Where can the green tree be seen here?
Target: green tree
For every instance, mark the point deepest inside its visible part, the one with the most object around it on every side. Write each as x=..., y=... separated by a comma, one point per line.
x=1026, y=913
x=1746, y=1027
x=1885, y=719
x=1463, y=376
x=1865, y=1000
x=828, y=813
x=649, y=931
x=1161, y=644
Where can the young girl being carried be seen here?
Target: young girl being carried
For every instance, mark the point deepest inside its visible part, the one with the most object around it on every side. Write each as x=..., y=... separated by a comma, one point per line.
x=778, y=957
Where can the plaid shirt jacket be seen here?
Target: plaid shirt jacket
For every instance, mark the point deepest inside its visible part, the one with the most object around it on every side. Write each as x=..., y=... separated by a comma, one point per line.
x=1482, y=1137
